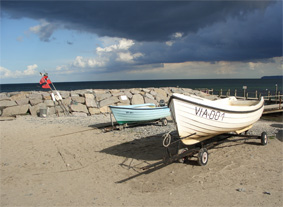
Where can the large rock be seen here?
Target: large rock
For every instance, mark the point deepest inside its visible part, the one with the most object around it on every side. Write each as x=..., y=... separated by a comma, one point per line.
x=3, y=96
x=148, y=95
x=89, y=100
x=67, y=101
x=104, y=109
x=128, y=93
x=34, y=102
x=102, y=96
x=110, y=101
x=22, y=101
x=135, y=91
x=5, y=103
x=15, y=110
x=34, y=110
x=18, y=96
x=78, y=99
x=148, y=100
x=160, y=92
x=35, y=96
x=49, y=103
x=79, y=108
x=94, y=111
x=46, y=96
x=137, y=99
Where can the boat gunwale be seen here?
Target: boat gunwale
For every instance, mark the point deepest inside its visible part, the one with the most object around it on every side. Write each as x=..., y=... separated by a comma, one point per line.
x=133, y=108
x=212, y=107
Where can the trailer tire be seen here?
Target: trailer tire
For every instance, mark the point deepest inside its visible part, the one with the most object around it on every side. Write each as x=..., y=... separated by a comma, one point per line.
x=203, y=157
x=263, y=138
x=164, y=122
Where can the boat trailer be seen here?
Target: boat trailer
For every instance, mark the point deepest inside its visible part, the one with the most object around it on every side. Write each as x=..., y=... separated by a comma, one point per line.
x=185, y=152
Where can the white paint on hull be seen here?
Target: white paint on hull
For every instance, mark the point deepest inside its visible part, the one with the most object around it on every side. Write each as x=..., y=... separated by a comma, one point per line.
x=209, y=118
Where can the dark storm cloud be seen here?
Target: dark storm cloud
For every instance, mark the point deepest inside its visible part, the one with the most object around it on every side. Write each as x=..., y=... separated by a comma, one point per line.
x=138, y=20
x=212, y=30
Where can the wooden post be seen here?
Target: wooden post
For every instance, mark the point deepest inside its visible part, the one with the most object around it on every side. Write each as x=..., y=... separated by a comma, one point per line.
x=256, y=94
x=220, y=93
x=235, y=92
x=245, y=88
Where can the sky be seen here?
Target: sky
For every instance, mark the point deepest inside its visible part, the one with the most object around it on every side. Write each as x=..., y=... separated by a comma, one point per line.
x=139, y=40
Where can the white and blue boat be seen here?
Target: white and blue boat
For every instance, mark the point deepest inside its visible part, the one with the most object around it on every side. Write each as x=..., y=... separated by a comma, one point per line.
x=140, y=113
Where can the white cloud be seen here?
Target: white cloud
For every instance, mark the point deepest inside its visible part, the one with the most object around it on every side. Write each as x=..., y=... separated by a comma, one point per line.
x=81, y=62
x=169, y=43
x=178, y=35
x=175, y=36
x=123, y=44
x=115, y=50
x=30, y=71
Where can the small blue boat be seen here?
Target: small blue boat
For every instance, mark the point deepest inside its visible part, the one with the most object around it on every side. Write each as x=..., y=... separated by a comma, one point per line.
x=139, y=113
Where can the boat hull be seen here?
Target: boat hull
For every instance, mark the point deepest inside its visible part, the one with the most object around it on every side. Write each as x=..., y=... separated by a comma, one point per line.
x=139, y=113
x=205, y=118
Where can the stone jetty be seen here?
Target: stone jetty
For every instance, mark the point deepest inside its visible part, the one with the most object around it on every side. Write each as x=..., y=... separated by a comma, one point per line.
x=85, y=102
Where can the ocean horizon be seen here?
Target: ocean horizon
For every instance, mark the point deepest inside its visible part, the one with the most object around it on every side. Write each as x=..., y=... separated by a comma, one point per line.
x=261, y=85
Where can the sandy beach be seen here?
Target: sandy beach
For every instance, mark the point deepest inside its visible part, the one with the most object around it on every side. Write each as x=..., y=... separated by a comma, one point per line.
x=67, y=161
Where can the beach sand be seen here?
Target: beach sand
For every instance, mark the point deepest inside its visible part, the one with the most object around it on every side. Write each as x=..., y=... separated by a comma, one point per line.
x=66, y=161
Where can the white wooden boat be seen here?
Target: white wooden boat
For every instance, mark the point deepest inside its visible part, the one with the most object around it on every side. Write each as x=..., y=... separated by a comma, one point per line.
x=198, y=119
x=139, y=113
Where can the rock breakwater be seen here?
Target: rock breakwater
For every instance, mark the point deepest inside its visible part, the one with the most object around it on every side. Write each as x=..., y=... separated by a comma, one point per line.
x=84, y=102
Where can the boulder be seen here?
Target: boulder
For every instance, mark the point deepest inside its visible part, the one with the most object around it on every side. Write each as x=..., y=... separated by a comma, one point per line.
x=160, y=92
x=122, y=103
x=134, y=91
x=34, y=102
x=104, y=109
x=67, y=101
x=94, y=111
x=102, y=96
x=78, y=99
x=5, y=103
x=35, y=96
x=148, y=95
x=15, y=110
x=110, y=101
x=128, y=94
x=49, y=103
x=89, y=100
x=46, y=96
x=64, y=94
x=79, y=108
x=137, y=99
x=3, y=96
x=19, y=96
x=147, y=100
x=22, y=101
x=153, y=93
x=34, y=110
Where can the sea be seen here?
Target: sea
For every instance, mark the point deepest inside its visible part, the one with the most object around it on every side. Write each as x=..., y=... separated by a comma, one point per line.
x=260, y=85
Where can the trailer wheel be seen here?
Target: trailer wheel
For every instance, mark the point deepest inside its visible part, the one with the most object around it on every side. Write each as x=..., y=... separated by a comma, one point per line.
x=263, y=138
x=164, y=121
x=203, y=157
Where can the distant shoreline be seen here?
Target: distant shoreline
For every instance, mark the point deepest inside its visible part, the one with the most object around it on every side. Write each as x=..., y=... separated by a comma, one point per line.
x=272, y=77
